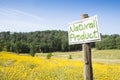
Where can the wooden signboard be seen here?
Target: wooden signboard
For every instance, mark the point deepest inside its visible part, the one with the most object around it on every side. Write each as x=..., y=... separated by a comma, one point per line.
x=84, y=31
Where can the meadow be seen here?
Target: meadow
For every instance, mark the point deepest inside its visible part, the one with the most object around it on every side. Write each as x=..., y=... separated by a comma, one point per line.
x=106, y=66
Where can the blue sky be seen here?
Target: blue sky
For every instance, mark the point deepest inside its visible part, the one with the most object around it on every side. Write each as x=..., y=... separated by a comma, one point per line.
x=38, y=15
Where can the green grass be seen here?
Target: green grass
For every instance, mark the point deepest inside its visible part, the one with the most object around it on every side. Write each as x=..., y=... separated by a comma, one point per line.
x=109, y=56
x=106, y=54
x=96, y=54
x=65, y=55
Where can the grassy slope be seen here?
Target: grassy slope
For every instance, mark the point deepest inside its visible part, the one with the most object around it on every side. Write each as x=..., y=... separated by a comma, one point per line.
x=98, y=55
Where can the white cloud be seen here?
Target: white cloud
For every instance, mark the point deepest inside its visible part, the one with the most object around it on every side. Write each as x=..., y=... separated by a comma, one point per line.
x=16, y=20
x=19, y=21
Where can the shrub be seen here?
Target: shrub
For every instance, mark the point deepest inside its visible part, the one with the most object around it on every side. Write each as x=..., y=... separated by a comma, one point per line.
x=70, y=57
x=49, y=55
x=32, y=53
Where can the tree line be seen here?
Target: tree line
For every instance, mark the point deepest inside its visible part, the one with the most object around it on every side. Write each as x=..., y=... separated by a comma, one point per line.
x=49, y=41
x=38, y=41
x=109, y=42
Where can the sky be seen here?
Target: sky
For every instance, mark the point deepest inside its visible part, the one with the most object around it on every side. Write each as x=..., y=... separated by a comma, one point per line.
x=40, y=15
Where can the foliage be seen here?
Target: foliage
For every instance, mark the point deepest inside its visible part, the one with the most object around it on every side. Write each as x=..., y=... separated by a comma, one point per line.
x=49, y=41
x=43, y=41
x=49, y=55
x=70, y=57
x=32, y=50
x=109, y=42
x=118, y=42
x=15, y=67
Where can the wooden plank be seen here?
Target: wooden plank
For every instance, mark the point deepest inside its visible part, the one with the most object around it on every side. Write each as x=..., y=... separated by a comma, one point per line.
x=88, y=73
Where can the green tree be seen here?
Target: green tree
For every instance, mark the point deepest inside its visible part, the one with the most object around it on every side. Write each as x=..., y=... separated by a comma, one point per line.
x=49, y=55
x=118, y=42
x=32, y=50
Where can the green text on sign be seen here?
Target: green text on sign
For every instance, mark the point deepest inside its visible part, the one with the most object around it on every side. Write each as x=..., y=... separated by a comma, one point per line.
x=84, y=31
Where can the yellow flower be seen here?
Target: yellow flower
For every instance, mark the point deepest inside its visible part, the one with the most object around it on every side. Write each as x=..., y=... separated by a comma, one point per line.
x=16, y=67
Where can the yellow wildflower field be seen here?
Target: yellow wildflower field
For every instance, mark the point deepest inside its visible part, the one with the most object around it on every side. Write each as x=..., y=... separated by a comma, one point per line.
x=17, y=67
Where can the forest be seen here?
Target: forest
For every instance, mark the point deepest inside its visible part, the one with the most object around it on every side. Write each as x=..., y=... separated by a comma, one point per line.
x=49, y=41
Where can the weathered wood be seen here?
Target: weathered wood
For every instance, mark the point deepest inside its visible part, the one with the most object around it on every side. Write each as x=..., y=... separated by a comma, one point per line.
x=88, y=73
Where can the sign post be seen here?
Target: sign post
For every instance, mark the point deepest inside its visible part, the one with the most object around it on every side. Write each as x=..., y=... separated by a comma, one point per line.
x=84, y=32
x=88, y=73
